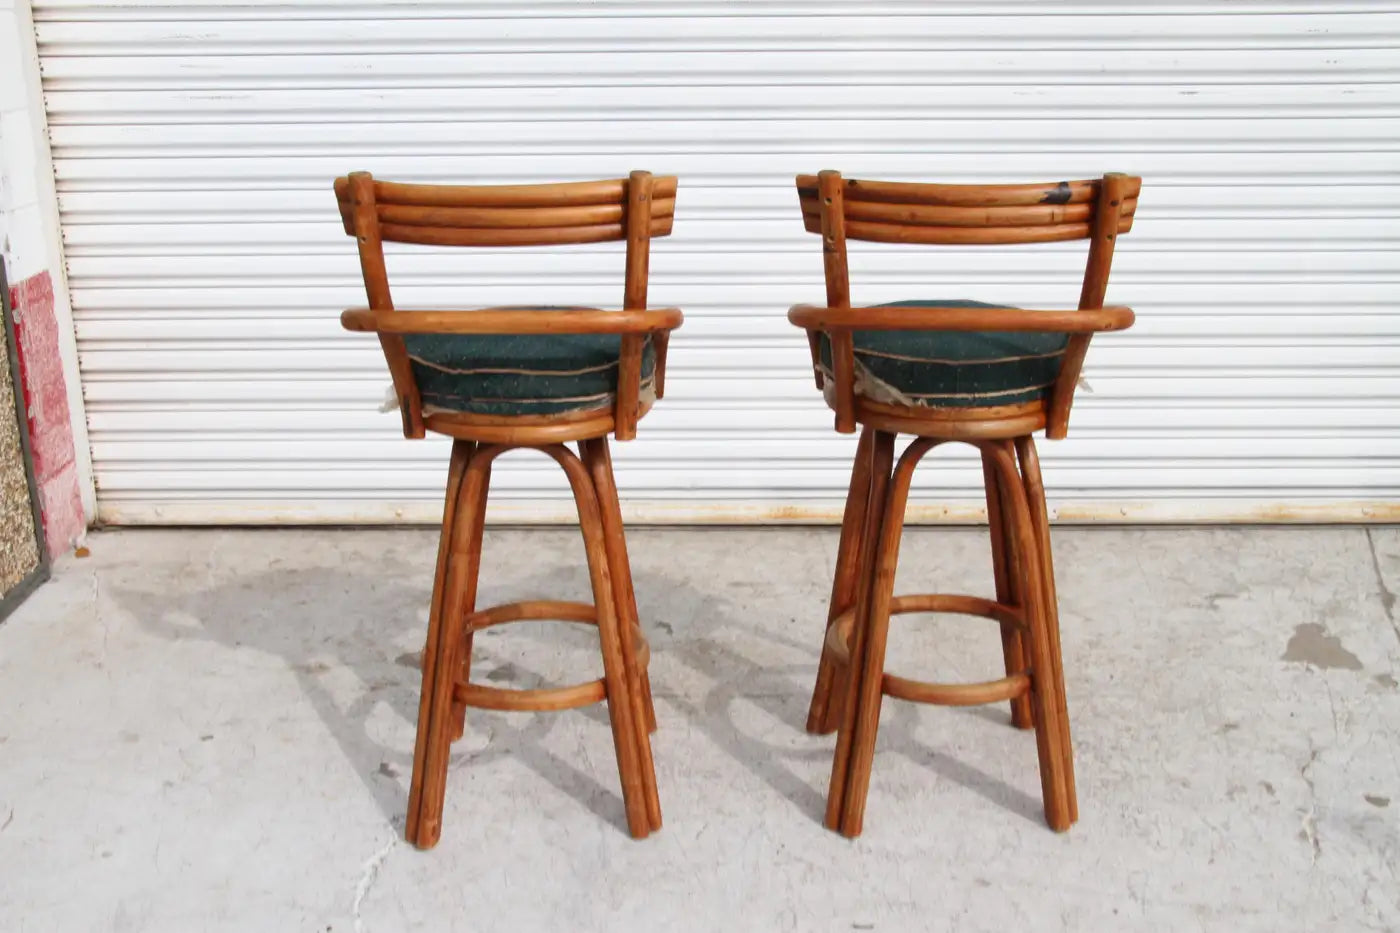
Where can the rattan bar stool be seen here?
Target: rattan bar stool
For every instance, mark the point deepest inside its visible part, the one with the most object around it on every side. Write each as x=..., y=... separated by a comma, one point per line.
x=502, y=379
x=950, y=370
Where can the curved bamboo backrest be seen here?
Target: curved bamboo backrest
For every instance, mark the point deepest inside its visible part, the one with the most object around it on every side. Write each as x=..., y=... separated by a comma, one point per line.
x=507, y=215
x=900, y=212
x=635, y=209
x=1099, y=210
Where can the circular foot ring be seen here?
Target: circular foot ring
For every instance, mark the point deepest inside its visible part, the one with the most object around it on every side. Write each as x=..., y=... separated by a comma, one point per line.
x=480, y=696
x=548, y=698
x=1014, y=685
x=532, y=610
x=838, y=635
x=991, y=691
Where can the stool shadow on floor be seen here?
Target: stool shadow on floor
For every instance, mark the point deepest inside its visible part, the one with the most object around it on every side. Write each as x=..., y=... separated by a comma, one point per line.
x=360, y=624
x=897, y=736
x=319, y=619
x=681, y=623
x=685, y=624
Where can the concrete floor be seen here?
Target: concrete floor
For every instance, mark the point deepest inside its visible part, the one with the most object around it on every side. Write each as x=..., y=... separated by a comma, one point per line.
x=213, y=731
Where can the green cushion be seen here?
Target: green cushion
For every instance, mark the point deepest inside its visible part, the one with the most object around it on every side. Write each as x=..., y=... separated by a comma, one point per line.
x=526, y=374
x=953, y=369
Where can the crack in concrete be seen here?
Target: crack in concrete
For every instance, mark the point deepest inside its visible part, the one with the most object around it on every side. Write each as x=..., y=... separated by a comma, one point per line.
x=367, y=878
x=1387, y=597
x=1310, y=817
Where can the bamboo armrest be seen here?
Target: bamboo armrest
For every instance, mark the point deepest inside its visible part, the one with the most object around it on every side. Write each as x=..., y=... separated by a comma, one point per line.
x=633, y=326
x=927, y=317
x=512, y=321
x=838, y=323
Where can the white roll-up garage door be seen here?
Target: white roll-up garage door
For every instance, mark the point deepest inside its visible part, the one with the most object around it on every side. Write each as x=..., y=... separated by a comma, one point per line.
x=195, y=144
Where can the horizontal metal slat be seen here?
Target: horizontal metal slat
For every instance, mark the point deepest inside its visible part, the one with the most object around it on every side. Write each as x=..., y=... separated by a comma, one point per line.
x=778, y=453
x=723, y=234
x=736, y=362
x=330, y=477
x=1242, y=196
x=465, y=33
x=388, y=138
x=742, y=390
x=680, y=67
x=858, y=158
x=775, y=101
x=336, y=10
x=194, y=142
x=1095, y=417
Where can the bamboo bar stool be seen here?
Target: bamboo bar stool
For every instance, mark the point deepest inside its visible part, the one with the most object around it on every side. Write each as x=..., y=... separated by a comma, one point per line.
x=950, y=370
x=501, y=379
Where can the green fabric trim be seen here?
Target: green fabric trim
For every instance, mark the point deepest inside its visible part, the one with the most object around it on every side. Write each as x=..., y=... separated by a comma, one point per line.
x=952, y=369
x=520, y=374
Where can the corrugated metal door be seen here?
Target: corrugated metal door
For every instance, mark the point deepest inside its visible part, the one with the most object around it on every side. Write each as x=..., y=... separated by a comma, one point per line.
x=195, y=143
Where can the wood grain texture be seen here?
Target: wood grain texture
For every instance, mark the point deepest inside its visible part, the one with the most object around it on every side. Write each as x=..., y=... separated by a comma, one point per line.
x=461, y=455
x=635, y=209
x=1012, y=686
x=842, y=210
x=627, y=732
x=446, y=675
x=1008, y=583
x=532, y=610
x=511, y=321
x=868, y=663
x=1046, y=708
x=1112, y=193
x=832, y=227
x=470, y=578
x=851, y=676
x=442, y=662
x=1029, y=462
x=365, y=228
x=540, y=699
x=822, y=713
x=914, y=317
x=1016, y=195
x=598, y=460
x=881, y=454
x=937, y=216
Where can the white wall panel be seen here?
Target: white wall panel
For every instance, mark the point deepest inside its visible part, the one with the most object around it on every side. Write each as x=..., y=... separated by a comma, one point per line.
x=194, y=145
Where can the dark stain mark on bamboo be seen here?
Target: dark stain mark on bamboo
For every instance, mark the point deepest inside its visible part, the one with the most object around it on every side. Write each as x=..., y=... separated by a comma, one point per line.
x=1060, y=194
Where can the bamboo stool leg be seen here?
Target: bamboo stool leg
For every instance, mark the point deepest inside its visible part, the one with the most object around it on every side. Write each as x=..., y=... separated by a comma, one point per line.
x=1040, y=522
x=1006, y=588
x=877, y=626
x=625, y=733
x=473, y=575
x=824, y=715
x=457, y=467
x=599, y=462
x=1045, y=706
x=621, y=568
x=441, y=664
x=881, y=460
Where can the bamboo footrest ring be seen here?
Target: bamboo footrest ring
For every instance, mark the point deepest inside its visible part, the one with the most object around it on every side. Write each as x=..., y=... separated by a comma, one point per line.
x=990, y=691
x=531, y=610
x=541, y=699
x=838, y=635
x=838, y=639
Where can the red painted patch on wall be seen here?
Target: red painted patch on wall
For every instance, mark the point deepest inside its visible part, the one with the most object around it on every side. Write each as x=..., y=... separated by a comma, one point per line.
x=46, y=397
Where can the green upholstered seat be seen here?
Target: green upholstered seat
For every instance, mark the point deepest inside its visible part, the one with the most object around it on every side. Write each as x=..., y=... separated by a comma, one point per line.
x=946, y=369
x=527, y=374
